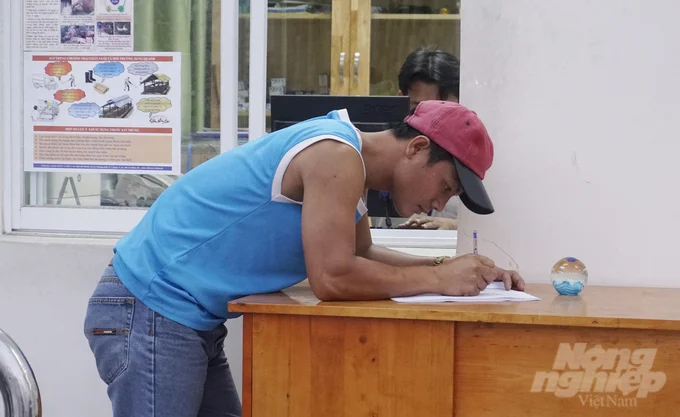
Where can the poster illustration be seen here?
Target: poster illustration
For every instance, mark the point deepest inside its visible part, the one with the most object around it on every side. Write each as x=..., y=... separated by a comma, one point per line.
x=108, y=113
x=78, y=25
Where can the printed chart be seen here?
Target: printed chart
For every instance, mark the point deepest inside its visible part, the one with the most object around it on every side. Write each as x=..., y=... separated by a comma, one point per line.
x=108, y=113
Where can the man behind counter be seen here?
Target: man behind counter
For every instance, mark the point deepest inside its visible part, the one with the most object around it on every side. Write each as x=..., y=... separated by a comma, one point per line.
x=431, y=74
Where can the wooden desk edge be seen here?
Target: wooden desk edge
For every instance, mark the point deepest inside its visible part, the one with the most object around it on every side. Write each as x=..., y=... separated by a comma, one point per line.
x=472, y=316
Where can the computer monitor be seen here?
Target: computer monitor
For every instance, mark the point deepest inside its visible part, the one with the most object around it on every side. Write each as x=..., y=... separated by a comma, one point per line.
x=367, y=113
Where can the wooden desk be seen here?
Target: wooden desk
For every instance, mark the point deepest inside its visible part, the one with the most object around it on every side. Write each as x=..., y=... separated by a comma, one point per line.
x=308, y=358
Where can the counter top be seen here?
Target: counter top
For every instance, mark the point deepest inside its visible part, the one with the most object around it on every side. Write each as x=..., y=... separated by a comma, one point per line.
x=596, y=306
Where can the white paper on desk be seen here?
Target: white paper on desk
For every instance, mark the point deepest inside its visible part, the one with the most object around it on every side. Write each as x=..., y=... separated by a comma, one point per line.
x=493, y=293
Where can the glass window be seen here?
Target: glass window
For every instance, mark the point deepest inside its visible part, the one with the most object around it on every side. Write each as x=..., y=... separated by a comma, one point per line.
x=243, y=69
x=423, y=56
x=406, y=27
x=325, y=47
x=192, y=28
x=298, y=52
x=338, y=47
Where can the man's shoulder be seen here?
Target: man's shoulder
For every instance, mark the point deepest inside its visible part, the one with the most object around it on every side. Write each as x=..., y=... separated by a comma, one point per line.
x=331, y=157
x=331, y=151
x=329, y=123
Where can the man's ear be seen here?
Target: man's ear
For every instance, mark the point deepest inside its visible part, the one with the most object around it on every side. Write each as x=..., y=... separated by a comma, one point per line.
x=417, y=145
x=400, y=93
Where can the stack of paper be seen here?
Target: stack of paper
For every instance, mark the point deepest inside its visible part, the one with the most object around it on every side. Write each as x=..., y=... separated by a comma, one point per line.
x=494, y=293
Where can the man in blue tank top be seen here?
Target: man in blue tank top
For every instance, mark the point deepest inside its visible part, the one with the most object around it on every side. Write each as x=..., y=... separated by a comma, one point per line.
x=283, y=208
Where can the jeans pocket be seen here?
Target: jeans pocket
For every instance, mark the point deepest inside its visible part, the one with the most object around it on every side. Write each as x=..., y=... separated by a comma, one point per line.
x=108, y=324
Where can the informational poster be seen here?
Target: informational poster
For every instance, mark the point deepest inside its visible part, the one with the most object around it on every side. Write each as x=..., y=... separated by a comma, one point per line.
x=113, y=113
x=78, y=25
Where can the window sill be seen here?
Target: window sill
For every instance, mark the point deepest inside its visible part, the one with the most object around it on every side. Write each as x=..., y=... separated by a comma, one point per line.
x=54, y=238
x=429, y=239
x=394, y=238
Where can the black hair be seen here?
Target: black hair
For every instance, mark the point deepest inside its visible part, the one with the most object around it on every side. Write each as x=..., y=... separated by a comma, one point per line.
x=431, y=66
x=404, y=131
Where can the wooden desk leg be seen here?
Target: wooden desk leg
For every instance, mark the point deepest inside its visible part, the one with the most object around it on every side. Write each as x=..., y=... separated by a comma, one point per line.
x=247, y=403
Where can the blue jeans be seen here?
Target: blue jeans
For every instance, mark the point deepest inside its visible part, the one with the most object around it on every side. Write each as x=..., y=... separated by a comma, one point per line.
x=153, y=366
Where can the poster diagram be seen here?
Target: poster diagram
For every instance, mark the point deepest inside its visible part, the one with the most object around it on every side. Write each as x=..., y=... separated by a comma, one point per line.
x=102, y=113
x=82, y=25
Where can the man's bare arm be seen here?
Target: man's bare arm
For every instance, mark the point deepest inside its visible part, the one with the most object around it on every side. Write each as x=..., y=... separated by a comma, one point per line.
x=366, y=249
x=333, y=181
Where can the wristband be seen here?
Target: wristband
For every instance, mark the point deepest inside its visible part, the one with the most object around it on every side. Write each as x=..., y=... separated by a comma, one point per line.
x=439, y=260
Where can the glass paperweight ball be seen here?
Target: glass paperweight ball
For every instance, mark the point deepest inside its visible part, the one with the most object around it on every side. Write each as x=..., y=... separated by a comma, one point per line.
x=569, y=276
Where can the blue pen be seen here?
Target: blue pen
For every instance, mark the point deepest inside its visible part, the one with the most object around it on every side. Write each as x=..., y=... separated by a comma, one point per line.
x=474, y=242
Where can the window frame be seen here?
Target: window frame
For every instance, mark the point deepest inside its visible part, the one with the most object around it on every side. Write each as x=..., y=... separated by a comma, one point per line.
x=19, y=218
x=8, y=149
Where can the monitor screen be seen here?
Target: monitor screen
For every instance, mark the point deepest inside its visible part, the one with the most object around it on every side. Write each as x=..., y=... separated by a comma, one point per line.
x=368, y=113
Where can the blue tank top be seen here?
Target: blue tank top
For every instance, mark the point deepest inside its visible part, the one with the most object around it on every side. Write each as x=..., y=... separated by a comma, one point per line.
x=224, y=230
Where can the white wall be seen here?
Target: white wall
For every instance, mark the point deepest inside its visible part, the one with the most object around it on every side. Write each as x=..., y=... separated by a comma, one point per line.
x=582, y=100
x=44, y=295
x=3, y=110
x=44, y=288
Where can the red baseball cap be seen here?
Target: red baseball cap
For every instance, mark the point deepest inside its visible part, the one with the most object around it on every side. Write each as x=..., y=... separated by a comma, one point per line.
x=459, y=131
